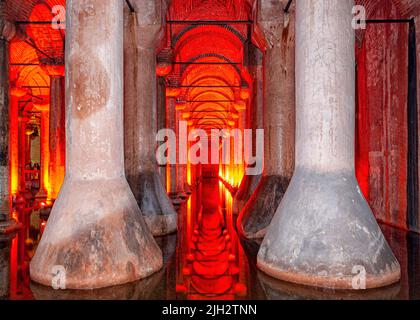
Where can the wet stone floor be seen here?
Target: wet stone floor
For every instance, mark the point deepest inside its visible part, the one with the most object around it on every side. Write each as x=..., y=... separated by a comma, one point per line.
x=206, y=260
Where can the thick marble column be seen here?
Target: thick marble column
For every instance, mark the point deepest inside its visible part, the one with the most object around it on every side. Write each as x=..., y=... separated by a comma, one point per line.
x=324, y=233
x=7, y=32
x=96, y=233
x=141, y=120
x=279, y=120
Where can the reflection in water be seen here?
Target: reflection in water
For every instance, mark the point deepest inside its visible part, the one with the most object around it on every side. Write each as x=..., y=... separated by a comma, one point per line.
x=5, y=245
x=279, y=290
x=145, y=289
x=209, y=255
x=206, y=260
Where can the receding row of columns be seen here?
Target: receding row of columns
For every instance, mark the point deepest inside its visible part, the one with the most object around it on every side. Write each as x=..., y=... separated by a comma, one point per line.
x=96, y=231
x=7, y=32
x=278, y=120
x=323, y=227
x=140, y=107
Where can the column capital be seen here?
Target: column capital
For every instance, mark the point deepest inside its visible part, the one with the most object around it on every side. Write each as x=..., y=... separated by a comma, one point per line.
x=7, y=30
x=53, y=68
x=173, y=92
x=17, y=92
x=271, y=20
x=41, y=106
x=148, y=19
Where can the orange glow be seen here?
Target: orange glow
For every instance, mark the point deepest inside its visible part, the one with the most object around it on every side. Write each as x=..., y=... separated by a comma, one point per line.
x=168, y=179
x=189, y=173
x=14, y=140
x=211, y=83
x=172, y=92
x=43, y=225
x=244, y=94
x=54, y=70
x=163, y=70
x=180, y=106
x=45, y=153
x=14, y=265
x=240, y=105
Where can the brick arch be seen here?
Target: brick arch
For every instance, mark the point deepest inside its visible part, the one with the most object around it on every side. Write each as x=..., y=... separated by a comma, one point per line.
x=20, y=10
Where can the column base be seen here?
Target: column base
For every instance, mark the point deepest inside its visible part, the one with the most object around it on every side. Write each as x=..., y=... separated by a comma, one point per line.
x=155, y=204
x=245, y=191
x=324, y=234
x=258, y=212
x=8, y=229
x=144, y=289
x=97, y=234
x=279, y=290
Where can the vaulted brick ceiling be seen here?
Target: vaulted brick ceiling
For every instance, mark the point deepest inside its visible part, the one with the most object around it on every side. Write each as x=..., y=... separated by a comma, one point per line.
x=51, y=42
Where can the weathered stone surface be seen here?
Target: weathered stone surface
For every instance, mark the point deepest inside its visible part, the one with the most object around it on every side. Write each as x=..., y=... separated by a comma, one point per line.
x=382, y=140
x=155, y=204
x=279, y=119
x=246, y=189
x=324, y=228
x=96, y=231
x=140, y=109
x=4, y=130
x=256, y=216
x=275, y=289
x=417, y=23
x=57, y=137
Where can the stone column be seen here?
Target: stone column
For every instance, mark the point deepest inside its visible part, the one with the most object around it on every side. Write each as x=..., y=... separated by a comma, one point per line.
x=15, y=95
x=7, y=32
x=57, y=133
x=324, y=233
x=141, y=120
x=181, y=170
x=250, y=182
x=44, y=190
x=162, y=120
x=171, y=125
x=24, y=144
x=279, y=119
x=96, y=234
